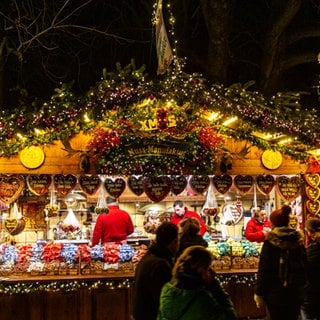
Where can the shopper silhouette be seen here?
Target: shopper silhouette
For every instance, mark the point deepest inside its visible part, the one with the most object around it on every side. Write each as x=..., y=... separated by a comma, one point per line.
x=194, y=293
x=153, y=271
x=281, y=271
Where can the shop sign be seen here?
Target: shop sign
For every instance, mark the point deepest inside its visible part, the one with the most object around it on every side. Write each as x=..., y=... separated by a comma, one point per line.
x=150, y=148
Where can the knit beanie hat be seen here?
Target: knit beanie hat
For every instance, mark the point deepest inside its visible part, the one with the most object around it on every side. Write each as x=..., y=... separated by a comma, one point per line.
x=280, y=217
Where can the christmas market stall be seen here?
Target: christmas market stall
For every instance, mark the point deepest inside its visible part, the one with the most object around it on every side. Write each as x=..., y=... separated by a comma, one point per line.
x=146, y=142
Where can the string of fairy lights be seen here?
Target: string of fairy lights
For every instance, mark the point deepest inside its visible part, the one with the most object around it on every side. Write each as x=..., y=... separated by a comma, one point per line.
x=111, y=284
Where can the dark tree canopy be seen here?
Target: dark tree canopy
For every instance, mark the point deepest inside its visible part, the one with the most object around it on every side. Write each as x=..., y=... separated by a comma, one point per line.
x=46, y=43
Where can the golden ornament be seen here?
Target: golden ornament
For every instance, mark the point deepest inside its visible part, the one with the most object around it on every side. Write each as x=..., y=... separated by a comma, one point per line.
x=32, y=157
x=271, y=159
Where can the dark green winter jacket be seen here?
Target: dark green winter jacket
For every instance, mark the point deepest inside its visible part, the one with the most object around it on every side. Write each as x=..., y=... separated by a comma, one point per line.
x=195, y=303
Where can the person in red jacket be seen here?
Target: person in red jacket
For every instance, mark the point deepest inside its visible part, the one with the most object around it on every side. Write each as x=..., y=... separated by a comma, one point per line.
x=182, y=212
x=258, y=226
x=112, y=226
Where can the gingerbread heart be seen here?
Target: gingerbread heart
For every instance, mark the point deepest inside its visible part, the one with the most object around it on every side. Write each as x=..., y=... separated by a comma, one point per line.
x=115, y=187
x=289, y=188
x=89, y=184
x=39, y=184
x=14, y=226
x=312, y=193
x=135, y=184
x=222, y=183
x=313, y=179
x=313, y=206
x=199, y=184
x=265, y=183
x=157, y=188
x=10, y=187
x=243, y=183
x=178, y=184
x=64, y=184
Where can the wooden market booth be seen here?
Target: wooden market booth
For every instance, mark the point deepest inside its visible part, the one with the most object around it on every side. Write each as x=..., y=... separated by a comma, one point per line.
x=110, y=295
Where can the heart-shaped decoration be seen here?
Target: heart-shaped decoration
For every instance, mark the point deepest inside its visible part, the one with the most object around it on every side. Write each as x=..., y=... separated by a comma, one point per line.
x=39, y=184
x=289, y=188
x=313, y=206
x=313, y=179
x=265, y=183
x=89, y=184
x=199, y=184
x=64, y=184
x=222, y=183
x=10, y=187
x=14, y=226
x=312, y=193
x=243, y=183
x=178, y=184
x=135, y=184
x=157, y=188
x=115, y=187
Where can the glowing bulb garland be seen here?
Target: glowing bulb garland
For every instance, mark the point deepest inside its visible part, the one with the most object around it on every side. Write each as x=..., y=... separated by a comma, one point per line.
x=113, y=102
x=124, y=283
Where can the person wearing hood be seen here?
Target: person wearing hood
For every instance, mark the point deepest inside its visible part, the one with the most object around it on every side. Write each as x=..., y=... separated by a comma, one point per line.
x=153, y=271
x=311, y=307
x=282, y=269
x=194, y=293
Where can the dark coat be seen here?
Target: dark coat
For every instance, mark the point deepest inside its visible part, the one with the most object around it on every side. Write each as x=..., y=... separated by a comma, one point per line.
x=311, y=305
x=281, y=273
x=152, y=272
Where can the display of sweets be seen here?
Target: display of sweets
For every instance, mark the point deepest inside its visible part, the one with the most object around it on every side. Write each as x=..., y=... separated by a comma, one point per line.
x=42, y=258
x=236, y=254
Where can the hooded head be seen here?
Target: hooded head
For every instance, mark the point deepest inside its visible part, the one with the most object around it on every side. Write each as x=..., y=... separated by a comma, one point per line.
x=281, y=217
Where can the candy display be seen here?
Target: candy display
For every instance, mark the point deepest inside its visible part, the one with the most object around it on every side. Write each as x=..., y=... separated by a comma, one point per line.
x=126, y=253
x=234, y=254
x=61, y=258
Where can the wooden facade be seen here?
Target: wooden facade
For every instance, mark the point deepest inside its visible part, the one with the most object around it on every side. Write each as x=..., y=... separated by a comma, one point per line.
x=246, y=159
x=101, y=297
x=116, y=303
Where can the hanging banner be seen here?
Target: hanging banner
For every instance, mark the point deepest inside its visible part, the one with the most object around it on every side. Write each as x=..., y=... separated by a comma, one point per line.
x=164, y=51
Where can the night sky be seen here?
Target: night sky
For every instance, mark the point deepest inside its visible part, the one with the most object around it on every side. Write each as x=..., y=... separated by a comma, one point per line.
x=71, y=55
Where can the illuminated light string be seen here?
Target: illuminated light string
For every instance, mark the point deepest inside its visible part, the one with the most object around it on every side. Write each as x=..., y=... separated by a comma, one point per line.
x=111, y=104
x=63, y=286
x=125, y=283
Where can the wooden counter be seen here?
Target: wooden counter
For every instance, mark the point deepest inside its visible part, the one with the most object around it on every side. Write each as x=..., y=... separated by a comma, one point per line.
x=239, y=283
x=96, y=297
